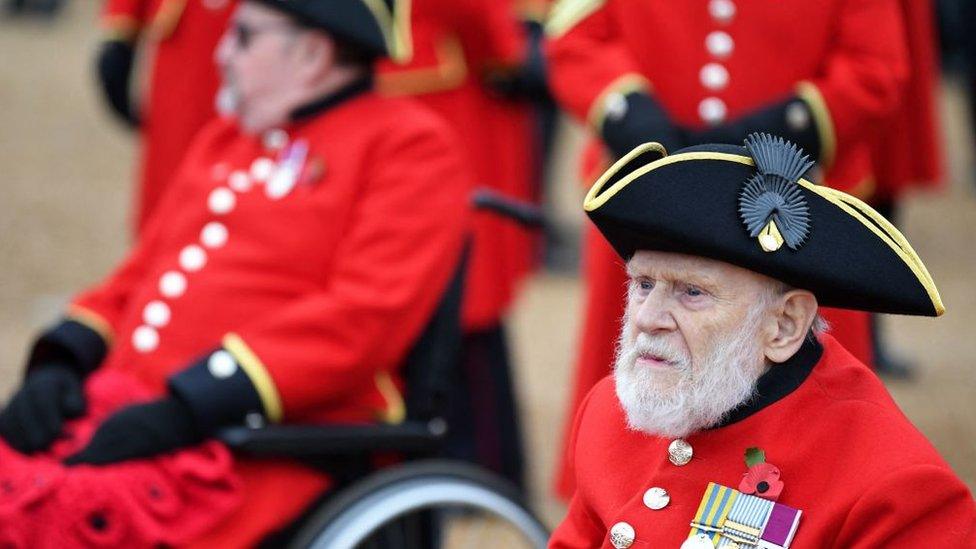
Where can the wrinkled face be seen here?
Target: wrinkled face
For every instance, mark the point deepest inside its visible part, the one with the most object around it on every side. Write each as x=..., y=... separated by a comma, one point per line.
x=258, y=66
x=690, y=348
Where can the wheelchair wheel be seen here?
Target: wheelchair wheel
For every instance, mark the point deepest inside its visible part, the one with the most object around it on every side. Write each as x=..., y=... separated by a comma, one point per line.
x=425, y=504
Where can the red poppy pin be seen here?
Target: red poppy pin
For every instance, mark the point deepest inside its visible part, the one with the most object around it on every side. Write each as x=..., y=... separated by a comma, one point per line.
x=762, y=478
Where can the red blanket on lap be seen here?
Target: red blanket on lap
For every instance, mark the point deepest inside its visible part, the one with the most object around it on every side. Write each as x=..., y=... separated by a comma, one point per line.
x=169, y=500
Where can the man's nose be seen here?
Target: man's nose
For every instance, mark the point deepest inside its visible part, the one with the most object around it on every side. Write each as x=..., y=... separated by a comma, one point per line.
x=654, y=314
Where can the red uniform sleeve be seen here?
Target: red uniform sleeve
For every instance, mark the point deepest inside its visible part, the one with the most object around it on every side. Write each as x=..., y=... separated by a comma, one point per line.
x=862, y=76
x=919, y=506
x=491, y=32
x=587, y=61
x=580, y=528
x=401, y=248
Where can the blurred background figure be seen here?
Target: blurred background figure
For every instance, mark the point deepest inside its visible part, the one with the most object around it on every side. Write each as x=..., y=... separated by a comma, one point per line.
x=470, y=64
x=47, y=9
x=908, y=154
x=712, y=72
x=177, y=39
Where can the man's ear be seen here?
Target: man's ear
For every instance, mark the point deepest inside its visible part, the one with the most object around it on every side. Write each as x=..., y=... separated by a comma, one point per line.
x=794, y=314
x=317, y=55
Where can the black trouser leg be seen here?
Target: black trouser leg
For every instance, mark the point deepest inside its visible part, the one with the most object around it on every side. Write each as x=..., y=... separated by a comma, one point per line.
x=484, y=413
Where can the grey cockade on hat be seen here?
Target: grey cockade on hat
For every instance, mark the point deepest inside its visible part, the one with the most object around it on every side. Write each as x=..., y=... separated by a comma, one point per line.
x=771, y=204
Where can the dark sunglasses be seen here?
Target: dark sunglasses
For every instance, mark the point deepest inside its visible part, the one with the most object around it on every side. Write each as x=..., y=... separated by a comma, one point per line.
x=244, y=34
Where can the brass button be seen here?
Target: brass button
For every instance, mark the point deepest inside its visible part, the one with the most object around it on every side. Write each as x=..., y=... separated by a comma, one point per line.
x=656, y=498
x=679, y=452
x=622, y=535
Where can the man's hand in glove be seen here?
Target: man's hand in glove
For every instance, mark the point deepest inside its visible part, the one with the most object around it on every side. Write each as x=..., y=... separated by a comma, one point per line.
x=35, y=415
x=114, y=64
x=791, y=119
x=140, y=431
x=636, y=118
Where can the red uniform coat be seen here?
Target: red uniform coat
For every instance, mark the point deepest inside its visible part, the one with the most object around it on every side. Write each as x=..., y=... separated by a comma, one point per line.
x=908, y=152
x=317, y=284
x=709, y=62
x=862, y=475
x=455, y=45
x=182, y=83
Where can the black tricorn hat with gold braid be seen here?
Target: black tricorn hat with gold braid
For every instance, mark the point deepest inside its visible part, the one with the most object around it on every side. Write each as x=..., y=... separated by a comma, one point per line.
x=751, y=206
x=380, y=26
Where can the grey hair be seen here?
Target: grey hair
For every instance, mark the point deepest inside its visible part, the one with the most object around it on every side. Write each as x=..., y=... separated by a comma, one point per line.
x=819, y=326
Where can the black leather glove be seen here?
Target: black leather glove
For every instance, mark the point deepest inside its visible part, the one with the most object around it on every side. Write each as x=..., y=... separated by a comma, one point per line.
x=790, y=119
x=35, y=415
x=115, y=61
x=140, y=431
x=635, y=119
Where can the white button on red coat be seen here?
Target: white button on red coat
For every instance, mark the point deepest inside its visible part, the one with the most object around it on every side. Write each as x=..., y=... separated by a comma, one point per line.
x=193, y=258
x=719, y=44
x=221, y=365
x=240, y=181
x=714, y=76
x=622, y=535
x=213, y=235
x=172, y=284
x=712, y=110
x=615, y=106
x=656, y=498
x=145, y=339
x=722, y=10
x=262, y=168
x=221, y=201
x=156, y=314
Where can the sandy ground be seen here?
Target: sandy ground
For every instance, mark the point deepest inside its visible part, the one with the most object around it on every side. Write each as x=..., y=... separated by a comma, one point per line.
x=64, y=191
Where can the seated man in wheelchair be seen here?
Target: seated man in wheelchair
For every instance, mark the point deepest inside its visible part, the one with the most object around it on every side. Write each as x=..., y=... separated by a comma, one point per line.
x=303, y=245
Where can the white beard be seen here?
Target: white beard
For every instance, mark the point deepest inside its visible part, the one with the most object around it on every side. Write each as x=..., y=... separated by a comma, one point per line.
x=227, y=100
x=689, y=398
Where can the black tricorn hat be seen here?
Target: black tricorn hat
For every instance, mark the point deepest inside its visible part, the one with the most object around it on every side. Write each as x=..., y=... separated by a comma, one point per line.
x=381, y=26
x=751, y=207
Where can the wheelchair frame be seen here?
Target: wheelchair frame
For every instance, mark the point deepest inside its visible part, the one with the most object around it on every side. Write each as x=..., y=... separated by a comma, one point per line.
x=343, y=450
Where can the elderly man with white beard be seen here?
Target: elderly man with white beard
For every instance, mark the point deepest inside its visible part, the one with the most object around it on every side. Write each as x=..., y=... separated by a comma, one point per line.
x=732, y=418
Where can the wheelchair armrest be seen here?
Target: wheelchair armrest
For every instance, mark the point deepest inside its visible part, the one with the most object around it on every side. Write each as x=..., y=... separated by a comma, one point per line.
x=335, y=440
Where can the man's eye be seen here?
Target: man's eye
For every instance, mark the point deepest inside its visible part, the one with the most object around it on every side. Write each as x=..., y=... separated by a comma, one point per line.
x=645, y=285
x=692, y=291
